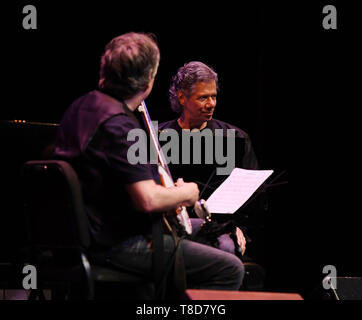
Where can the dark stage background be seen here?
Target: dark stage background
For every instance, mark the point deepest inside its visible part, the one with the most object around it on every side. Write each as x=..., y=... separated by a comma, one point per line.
x=284, y=79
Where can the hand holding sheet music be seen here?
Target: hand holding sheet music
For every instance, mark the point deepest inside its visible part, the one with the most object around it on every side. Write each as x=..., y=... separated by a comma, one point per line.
x=236, y=190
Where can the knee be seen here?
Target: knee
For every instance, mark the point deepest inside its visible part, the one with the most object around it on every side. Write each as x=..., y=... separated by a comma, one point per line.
x=226, y=243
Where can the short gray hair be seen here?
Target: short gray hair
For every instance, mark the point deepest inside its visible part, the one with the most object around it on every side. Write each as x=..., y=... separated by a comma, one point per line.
x=185, y=80
x=127, y=62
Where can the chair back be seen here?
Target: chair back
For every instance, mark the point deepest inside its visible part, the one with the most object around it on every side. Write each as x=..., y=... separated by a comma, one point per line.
x=59, y=236
x=53, y=205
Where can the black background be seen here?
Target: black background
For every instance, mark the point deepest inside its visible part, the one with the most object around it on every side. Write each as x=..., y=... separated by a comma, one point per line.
x=289, y=83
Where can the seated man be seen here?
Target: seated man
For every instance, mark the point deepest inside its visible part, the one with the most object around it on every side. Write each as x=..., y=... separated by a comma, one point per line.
x=123, y=199
x=192, y=96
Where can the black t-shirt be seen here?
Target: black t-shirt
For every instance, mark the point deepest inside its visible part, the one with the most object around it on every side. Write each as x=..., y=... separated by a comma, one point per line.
x=202, y=172
x=92, y=137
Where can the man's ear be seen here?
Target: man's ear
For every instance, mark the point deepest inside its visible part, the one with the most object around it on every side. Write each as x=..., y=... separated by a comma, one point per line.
x=151, y=79
x=181, y=97
x=151, y=75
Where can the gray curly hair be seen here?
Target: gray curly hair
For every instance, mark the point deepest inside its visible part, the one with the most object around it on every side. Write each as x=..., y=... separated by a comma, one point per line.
x=185, y=80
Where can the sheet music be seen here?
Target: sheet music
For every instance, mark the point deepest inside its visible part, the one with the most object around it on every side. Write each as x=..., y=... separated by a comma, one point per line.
x=236, y=190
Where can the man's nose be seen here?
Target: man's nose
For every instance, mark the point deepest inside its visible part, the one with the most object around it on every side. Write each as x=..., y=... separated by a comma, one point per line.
x=211, y=102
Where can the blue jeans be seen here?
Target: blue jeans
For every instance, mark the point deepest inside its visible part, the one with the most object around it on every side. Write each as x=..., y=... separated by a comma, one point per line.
x=205, y=267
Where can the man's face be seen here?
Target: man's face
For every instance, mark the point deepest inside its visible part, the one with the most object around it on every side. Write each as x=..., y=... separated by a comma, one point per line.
x=201, y=104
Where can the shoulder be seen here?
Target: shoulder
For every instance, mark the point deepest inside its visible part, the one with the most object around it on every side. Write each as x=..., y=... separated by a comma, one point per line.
x=93, y=97
x=121, y=124
x=218, y=124
x=172, y=124
x=96, y=106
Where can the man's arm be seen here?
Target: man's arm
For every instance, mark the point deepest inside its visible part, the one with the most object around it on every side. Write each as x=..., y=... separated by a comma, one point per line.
x=147, y=196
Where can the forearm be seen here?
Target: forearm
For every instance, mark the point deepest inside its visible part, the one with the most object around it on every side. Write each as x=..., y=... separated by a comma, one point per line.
x=166, y=199
x=150, y=197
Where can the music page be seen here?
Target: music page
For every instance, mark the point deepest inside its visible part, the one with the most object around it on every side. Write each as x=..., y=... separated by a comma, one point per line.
x=236, y=190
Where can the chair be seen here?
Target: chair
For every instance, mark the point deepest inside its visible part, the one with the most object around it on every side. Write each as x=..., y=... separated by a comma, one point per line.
x=59, y=239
